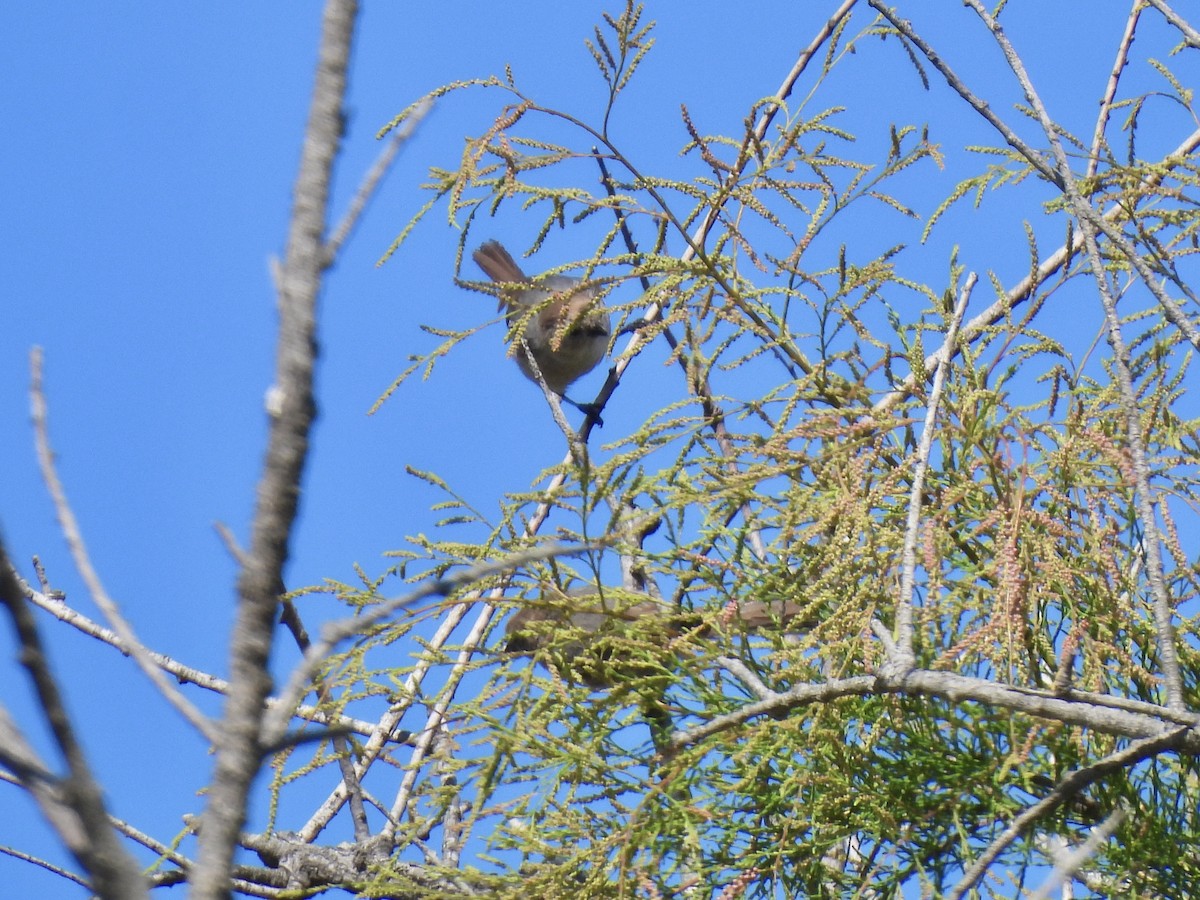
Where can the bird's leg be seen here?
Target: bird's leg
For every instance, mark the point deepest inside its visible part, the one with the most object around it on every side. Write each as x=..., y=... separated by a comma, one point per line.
x=631, y=327
x=588, y=409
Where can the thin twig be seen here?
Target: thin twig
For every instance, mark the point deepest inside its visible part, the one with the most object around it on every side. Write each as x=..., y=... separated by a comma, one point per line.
x=700, y=234
x=977, y=103
x=1110, y=701
x=1074, y=860
x=43, y=864
x=53, y=796
x=374, y=175
x=1164, y=609
x=742, y=673
x=177, y=670
x=1110, y=91
x=713, y=414
x=908, y=558
x=430, y=735
x=654, y=311
x=342, y=749
x=409, y=692
x=376, y=743
x=1190, y=35
x=231, y=544
x=1173, y=312
x=576, y=447
x=83, y=562
x=1070, y=786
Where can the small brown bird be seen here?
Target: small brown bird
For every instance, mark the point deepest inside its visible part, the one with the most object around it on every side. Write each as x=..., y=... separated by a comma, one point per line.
x=605, y=629
x=567, y=336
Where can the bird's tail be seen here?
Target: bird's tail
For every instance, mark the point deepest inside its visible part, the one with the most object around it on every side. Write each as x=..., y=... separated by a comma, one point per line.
x=496, y=262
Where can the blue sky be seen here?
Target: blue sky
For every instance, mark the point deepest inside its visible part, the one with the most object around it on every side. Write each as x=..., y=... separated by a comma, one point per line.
x=149, y=155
